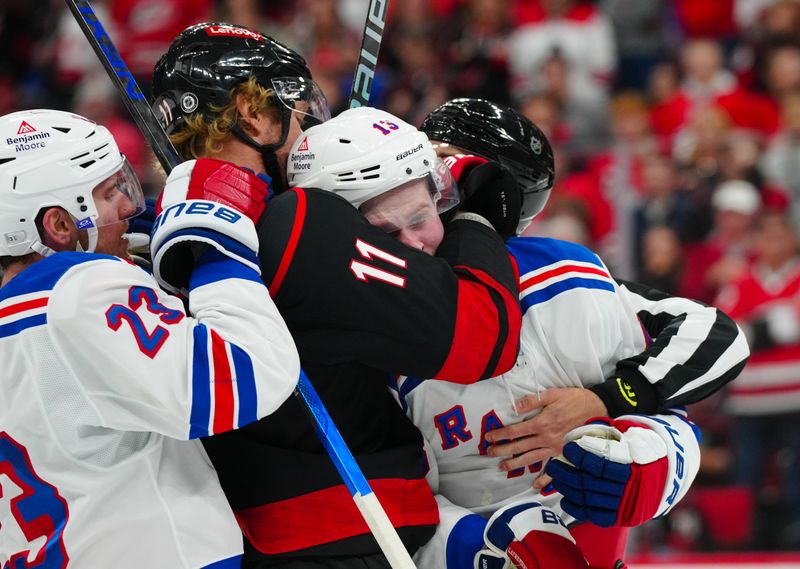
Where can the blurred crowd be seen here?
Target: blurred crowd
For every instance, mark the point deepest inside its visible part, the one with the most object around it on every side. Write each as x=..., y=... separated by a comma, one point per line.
x=676, y=130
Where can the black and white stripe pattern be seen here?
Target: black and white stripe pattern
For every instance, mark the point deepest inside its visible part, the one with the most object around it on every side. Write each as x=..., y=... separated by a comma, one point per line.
x=695, y=348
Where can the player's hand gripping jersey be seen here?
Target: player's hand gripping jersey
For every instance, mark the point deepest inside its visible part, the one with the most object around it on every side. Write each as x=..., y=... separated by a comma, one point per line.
x=358, y=302
x=106, y=379
x=580, y=328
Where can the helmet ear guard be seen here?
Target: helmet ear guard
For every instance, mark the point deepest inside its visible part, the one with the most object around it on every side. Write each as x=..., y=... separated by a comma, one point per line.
x=501, y=134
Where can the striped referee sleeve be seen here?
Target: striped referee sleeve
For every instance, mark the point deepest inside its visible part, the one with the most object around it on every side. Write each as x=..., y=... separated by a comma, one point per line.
x=695, y=349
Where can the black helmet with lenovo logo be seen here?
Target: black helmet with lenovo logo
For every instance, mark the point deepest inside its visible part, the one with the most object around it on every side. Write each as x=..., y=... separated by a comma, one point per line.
x=205, y=61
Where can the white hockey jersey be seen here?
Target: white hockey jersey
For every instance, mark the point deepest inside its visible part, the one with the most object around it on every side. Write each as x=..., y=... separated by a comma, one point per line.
x=105, y=379
x=578, y=323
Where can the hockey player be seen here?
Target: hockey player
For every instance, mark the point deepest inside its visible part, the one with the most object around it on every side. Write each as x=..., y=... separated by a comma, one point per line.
x=580, y=328
x=107, y=381
x=354, y=298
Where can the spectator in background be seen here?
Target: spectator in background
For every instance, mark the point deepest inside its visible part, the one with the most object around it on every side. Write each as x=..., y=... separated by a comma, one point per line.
x=577, y=40
x=706, y=19
x=723, y=256
x=544, y=110
x=662, y=259
x=619, y=173
x=697, y=152
x=417, y=85
x=781, y=162
x=639, y=27
x=707, y=83
x=764, y=401
x=476, y=47
x=145, y=28
x=662, y=204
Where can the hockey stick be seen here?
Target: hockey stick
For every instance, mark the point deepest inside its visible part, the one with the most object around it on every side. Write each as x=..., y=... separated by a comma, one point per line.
x=132, y=96
x=360, y=490
x=368, y=56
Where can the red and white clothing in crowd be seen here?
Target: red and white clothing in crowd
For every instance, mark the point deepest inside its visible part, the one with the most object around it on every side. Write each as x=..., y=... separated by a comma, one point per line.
x=147, y=27
x=766, y=302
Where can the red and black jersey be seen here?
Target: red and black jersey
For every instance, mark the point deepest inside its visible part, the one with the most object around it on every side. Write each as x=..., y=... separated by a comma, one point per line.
x=360, y=304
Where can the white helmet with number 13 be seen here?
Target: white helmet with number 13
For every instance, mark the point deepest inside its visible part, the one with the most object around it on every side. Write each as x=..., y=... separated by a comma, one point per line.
x=365, y=152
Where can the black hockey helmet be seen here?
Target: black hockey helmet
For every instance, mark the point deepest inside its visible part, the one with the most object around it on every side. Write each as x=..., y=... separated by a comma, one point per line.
x=205, y=61
x=501, y=134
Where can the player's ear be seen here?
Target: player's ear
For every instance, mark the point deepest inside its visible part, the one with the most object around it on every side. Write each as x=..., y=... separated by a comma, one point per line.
x=58, y=230
x=249, y=118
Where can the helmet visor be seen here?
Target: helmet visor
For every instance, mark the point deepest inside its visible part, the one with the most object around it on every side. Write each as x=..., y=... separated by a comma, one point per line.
x=117, y=198
x=414, y=202
x=304, y=97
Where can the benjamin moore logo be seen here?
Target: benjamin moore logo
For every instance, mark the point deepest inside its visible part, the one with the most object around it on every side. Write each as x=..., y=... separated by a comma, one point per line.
x=628, y=394
x=25, y=128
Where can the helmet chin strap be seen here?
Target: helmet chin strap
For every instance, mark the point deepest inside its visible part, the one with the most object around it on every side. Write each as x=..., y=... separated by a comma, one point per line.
x=271, y=165
x=41, y=248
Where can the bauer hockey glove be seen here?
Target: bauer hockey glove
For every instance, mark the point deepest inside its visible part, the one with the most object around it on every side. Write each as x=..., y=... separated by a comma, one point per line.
x=205, y=204
x=614, y=473
x=488, y=189
x=528, y=536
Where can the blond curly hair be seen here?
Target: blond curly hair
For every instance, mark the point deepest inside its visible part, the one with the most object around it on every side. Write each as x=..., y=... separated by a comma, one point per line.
x=203, y=136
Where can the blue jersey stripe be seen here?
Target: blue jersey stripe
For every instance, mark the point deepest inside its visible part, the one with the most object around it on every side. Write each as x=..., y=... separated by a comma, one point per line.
x=22, y=324
x=245, y=386
x=230, y=563
x=408, y=386
x=545, y=294
x=201, y=385
x=215, y=266
x=534, y=253
x=43, y=275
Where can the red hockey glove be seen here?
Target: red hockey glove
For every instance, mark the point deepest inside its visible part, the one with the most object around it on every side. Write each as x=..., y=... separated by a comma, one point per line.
x=462, y=164
x=528, y=536
x=490, y=190
x=613, y=474
x=205, y=203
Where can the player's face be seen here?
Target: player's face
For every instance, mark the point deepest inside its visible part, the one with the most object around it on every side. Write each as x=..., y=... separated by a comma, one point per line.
x=114, y=208
x=270, y=129
x=409, y=214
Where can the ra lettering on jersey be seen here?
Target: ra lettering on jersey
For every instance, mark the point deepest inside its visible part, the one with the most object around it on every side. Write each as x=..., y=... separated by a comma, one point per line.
x=32, y=513
x=453, y=430
x=549, y=267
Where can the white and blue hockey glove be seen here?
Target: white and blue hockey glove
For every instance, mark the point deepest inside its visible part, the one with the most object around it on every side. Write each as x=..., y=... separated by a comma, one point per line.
x=613, y=472
x=528, y=536
x=205, y=204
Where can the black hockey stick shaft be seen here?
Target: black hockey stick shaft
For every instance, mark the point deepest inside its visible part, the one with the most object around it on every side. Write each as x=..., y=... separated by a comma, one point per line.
x=368, y=56
x=123, y=80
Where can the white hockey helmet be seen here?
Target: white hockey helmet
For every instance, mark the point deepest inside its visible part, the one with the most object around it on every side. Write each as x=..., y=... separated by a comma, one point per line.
x=365, y=152
x=54, y=158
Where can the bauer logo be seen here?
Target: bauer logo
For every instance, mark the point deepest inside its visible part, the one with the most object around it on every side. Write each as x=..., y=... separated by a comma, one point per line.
x=196, y=207
x=536, y=145
x=232, y=31
x=409, y=152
